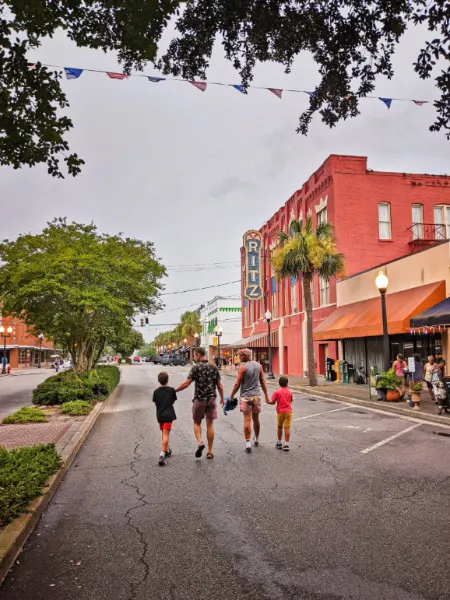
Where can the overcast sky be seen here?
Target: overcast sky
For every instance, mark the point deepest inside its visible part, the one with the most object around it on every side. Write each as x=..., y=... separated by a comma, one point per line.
x=193, y=171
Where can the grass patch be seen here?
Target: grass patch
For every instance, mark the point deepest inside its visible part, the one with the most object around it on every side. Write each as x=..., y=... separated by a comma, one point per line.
x=76, y=408
x=23, y=474
x=26, y=414
x=67, y=386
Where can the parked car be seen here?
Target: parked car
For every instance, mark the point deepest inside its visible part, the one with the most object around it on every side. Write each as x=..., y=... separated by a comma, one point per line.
x=172, y=359
x=136, y=359
x=156, y=360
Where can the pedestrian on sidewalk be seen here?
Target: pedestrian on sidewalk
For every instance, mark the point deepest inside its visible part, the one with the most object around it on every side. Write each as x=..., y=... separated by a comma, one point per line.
x=236, y=362
x=429, y=369
x=283, y=399
x=207, y=382
x=250, y=379
x=164, y=397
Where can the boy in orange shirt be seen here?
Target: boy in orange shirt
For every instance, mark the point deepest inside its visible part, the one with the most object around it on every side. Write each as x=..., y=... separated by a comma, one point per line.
x=283, y=399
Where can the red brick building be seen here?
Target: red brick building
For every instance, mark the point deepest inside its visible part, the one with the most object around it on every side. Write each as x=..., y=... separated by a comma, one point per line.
x=377, y=216
x=22, y=349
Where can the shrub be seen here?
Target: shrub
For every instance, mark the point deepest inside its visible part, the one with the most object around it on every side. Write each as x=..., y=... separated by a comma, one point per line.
x=68, y=386
x=76, y=408
x=26, y=414
x=23, y=474
x=389, y=380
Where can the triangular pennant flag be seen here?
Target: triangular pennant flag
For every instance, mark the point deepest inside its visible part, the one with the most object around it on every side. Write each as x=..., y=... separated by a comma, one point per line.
x=239, y=88
x=156, y=79
x=387, y=101
x=117, y=75
x=72, y=73
x=420, y=102
x=200, y=85
x=312, y=94
x=277, y=92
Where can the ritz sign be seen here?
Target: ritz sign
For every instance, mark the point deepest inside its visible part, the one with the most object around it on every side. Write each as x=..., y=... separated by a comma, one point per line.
x=253, y=289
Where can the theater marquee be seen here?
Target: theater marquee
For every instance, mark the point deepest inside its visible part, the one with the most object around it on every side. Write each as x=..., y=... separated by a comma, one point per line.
x=253, y=289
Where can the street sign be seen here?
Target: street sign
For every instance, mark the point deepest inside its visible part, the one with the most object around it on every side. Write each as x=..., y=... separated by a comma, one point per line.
x=411, y=364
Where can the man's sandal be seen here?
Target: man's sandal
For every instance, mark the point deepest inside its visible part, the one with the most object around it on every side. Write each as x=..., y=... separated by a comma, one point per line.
x=210, y=455
x=199, y=451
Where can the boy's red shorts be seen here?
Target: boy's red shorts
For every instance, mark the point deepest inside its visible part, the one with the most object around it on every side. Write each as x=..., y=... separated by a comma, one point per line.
x=167, y=426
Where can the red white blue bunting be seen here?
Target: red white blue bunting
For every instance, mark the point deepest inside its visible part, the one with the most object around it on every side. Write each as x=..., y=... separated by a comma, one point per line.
x=75, y=73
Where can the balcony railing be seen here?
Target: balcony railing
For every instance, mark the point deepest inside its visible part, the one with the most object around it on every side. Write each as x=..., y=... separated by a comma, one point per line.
x=423, y=234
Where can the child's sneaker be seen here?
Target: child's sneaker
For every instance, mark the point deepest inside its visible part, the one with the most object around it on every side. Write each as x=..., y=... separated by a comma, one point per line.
x=279, y=445
x=255, y=441
x=169, y=452
x=286, y=447
x=162, y=460
x=248, y=446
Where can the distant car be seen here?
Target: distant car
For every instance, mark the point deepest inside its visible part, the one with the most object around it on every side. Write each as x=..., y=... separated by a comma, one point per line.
x=67, y=364
x=172, y=359
x=136, y=359
x=156, y=360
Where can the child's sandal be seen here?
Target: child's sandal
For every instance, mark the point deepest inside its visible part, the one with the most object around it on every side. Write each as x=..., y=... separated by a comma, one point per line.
x=210, y=455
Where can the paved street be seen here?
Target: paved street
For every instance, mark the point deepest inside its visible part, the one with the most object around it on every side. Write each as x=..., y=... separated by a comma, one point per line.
x=357, y=510
x=16, y=390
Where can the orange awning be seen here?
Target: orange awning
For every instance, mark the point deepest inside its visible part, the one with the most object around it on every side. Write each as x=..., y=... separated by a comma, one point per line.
x=363, y=319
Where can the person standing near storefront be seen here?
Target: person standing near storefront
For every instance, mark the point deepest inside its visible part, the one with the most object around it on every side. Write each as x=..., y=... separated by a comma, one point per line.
x=428, y=370
x=400, y=367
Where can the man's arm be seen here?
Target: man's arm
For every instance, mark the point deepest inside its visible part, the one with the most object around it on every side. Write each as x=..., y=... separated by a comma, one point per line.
x=239, y=378
x=263, y=384
x=183, y=386
x=274, y=398
x=220, y=389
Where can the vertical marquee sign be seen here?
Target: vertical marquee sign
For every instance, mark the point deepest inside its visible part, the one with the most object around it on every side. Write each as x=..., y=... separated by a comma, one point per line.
x=253, y=289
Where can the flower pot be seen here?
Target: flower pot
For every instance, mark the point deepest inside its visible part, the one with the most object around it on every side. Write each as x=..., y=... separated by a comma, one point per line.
x=392, y=396
x=415, y=397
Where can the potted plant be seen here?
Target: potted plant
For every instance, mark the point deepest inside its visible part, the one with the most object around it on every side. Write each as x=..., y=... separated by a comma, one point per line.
x=415, y=390
x=390, y=383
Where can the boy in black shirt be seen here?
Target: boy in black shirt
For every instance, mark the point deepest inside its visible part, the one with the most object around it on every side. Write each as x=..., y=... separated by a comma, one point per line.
x=164, y=397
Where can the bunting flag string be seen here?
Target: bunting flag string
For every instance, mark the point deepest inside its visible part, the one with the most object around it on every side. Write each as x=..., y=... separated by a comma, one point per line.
x=75, y=73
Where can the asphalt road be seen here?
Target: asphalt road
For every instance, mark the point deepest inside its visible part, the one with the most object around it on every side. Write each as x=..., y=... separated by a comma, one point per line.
x=341, y=516
x=16, y=390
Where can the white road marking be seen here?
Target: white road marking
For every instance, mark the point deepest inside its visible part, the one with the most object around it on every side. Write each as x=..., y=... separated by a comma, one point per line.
x=322, y=413
x=389, y=439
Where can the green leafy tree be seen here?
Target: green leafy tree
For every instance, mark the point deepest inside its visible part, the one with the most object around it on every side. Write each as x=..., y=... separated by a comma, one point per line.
x=352, y=43
x=126, y=340
x=79, y=287
x=147, y=350
x=303, y=253
x=190, y=325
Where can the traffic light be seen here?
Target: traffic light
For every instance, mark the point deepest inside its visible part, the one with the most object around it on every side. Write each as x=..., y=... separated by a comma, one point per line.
x=142, y=322
x=147, y=322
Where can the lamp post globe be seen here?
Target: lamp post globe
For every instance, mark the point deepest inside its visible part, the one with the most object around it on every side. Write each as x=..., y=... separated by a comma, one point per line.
x=382, y=282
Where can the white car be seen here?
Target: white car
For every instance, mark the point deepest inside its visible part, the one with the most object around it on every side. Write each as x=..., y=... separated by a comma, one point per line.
x=67, y=364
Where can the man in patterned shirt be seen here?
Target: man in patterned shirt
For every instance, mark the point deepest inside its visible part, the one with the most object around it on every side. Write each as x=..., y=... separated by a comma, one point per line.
x=207, y=380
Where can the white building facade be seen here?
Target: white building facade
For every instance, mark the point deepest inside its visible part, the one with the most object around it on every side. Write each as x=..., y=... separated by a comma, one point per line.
x=224, y=312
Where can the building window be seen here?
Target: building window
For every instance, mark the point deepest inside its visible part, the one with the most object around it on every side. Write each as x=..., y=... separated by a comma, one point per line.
x=22, y=356
x=294, y=294
x=324, y=291
x=417, y=221
x=322, y=216
x=442, y=217
x=274, y=306
x=384, y=221
x=261, y=309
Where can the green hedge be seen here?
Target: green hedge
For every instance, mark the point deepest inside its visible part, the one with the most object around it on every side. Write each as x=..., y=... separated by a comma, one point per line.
x=76, y=408
x=27, y=414
x=23, y=474
x=68, y=386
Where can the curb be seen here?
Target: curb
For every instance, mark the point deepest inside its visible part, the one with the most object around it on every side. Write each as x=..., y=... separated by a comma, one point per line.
x=379, y=407
x=14, y=536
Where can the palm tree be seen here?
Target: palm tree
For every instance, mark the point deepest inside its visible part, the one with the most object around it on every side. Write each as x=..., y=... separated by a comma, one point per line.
x=303, y=253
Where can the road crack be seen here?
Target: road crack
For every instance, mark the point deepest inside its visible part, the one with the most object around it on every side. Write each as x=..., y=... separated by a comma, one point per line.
x=131, y=521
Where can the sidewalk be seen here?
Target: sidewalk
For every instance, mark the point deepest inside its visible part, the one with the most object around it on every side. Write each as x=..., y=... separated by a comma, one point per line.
x=359, y=394
x=29, y=371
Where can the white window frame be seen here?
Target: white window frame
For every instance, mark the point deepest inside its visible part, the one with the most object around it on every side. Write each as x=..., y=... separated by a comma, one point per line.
x=294, y=297
x=381, y=235
x=274, y=305
x=324, y=286
x=444, y=220
x=417, y=225
x=322, y=216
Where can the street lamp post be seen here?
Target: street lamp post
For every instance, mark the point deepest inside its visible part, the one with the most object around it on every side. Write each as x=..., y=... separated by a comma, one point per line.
x=268, y=316
x=185, y=342
x=41, y=337
x=218, y=331
x=382, y=283
x=4, y=336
